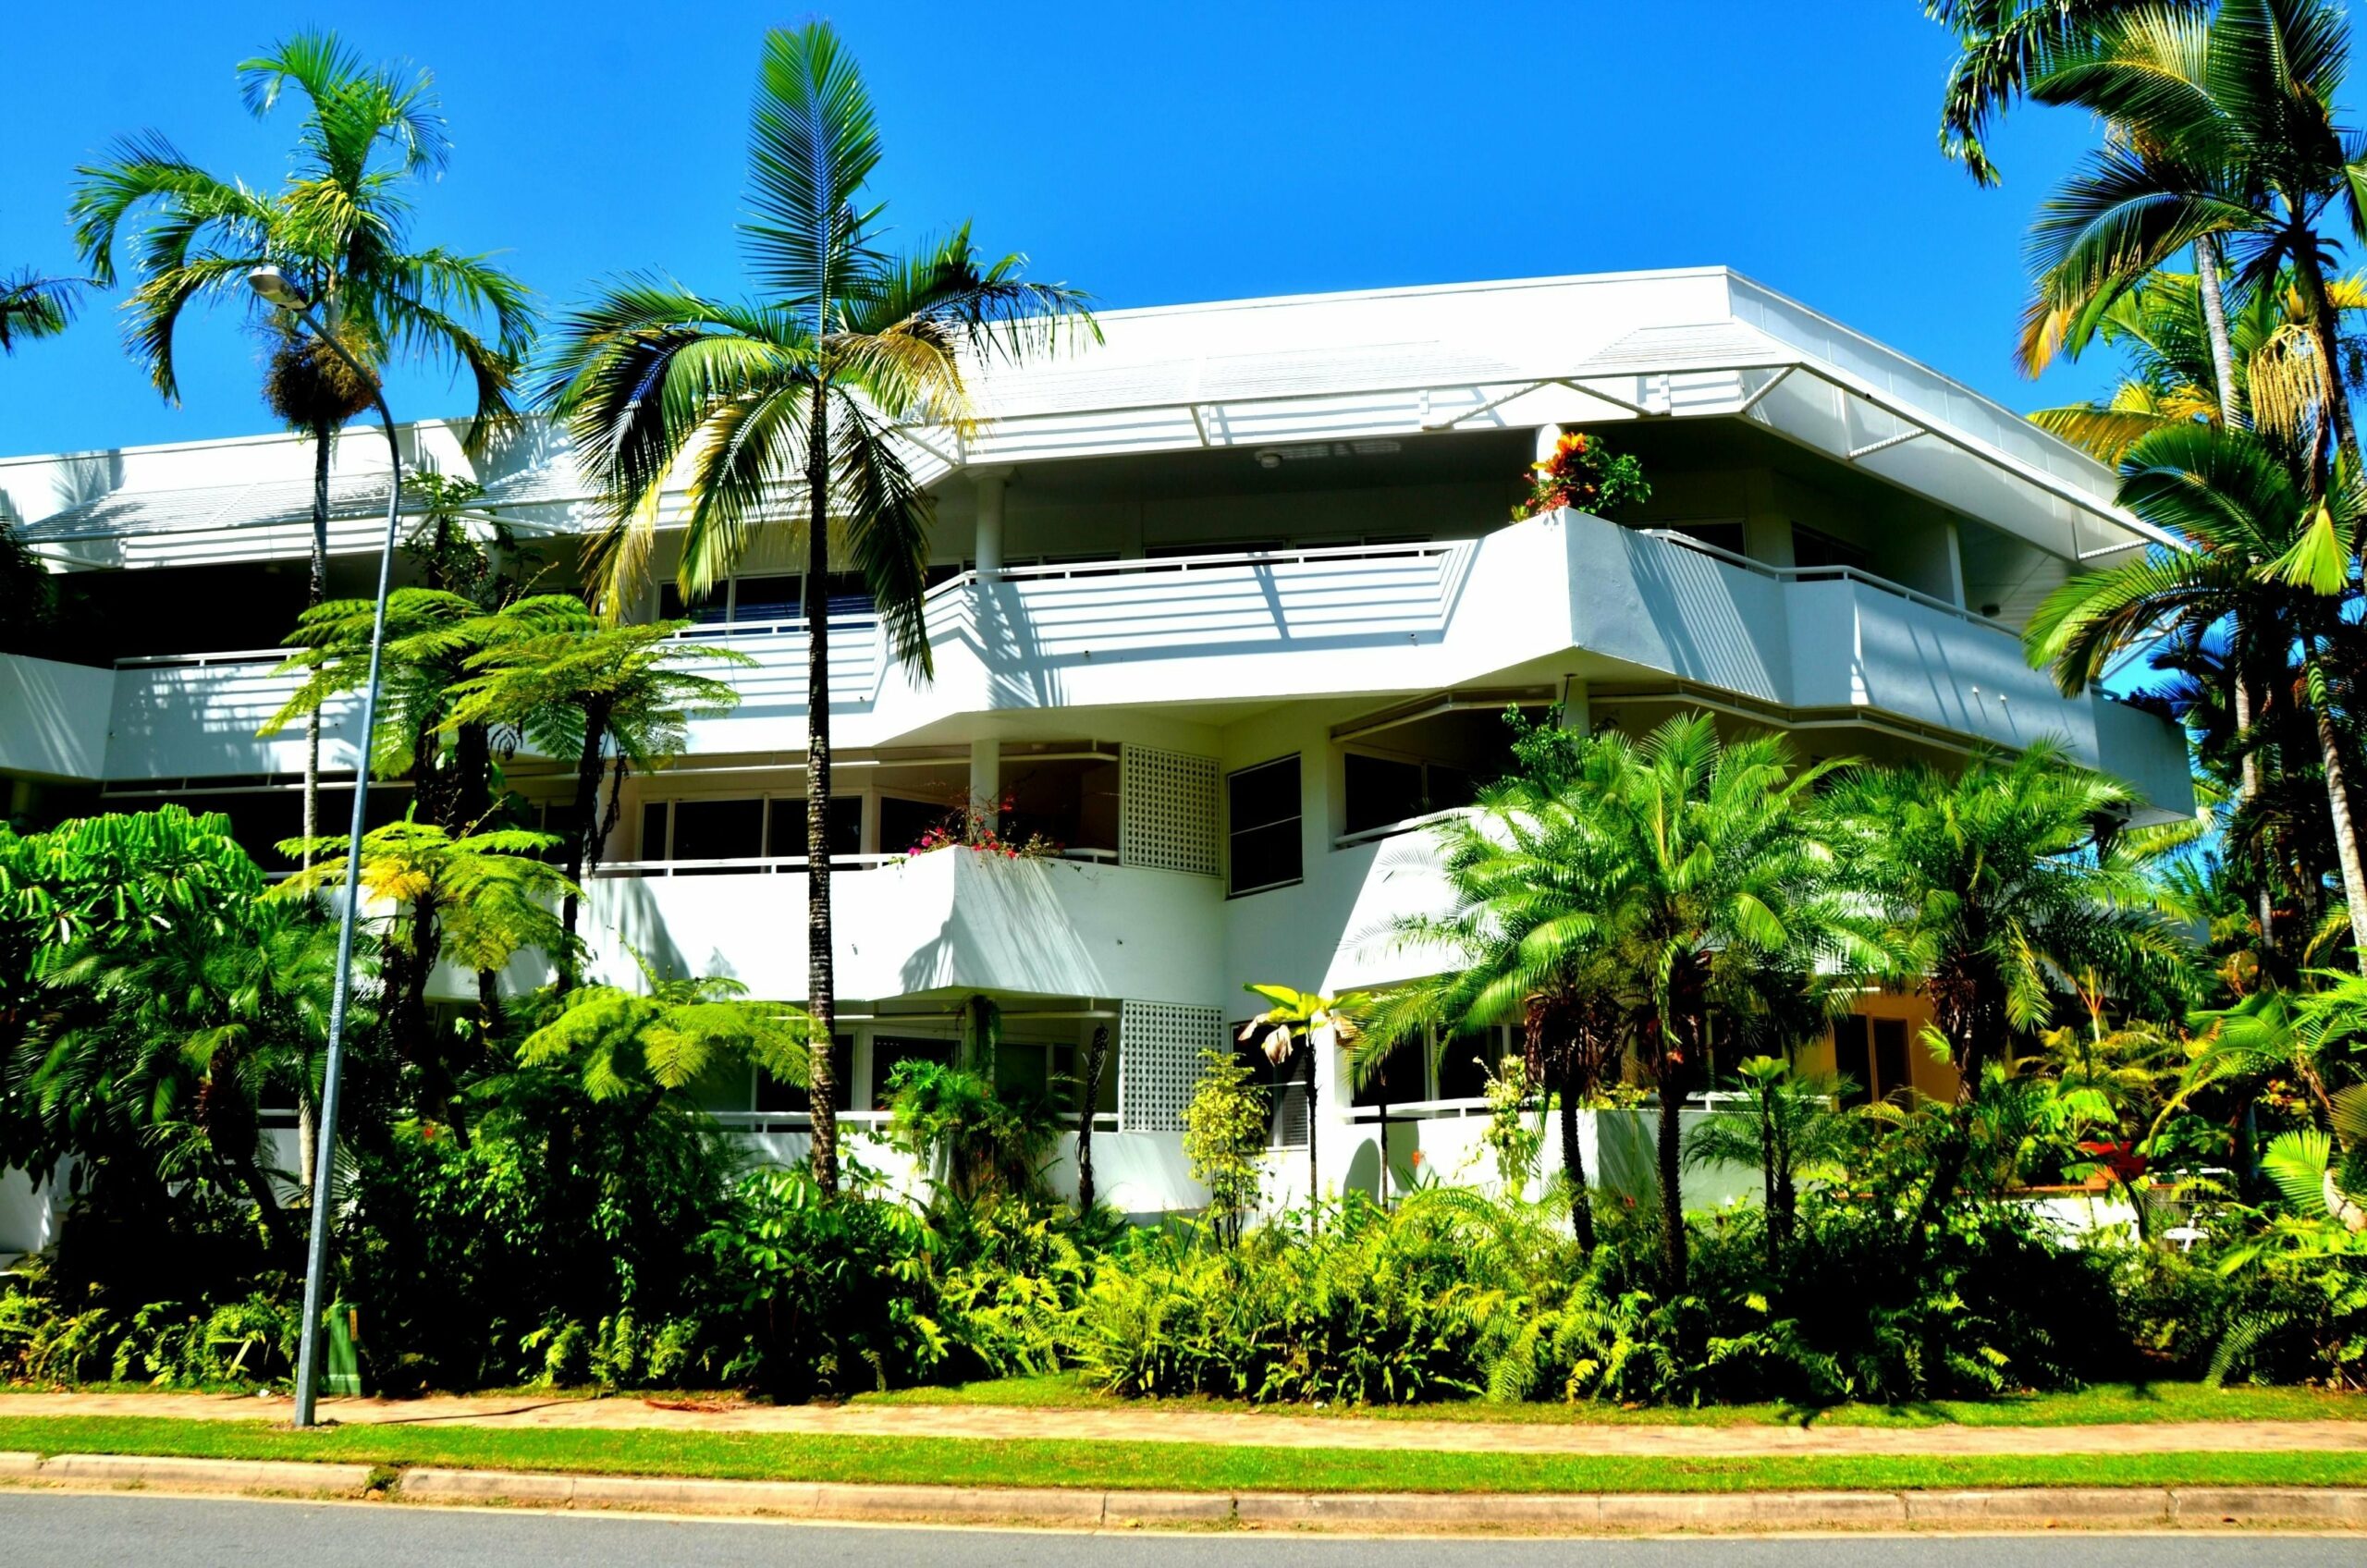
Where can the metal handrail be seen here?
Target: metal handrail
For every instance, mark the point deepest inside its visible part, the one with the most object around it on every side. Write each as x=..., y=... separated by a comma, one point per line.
x=1824, y=574
x=770, y=864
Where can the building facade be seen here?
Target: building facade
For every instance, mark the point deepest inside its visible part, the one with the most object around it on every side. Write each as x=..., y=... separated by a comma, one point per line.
x=1227, y=608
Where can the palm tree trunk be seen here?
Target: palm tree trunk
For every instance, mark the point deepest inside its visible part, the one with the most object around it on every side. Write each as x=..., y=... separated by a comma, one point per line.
x=1088, y=1100
x=1314, y=1173
x=317, y=590
x=2346, y=836
x=2215, y=320
x=1574, y=1156
x=586, y=823
x=821, y=999
x=1672, y=1160
x=2327, y=330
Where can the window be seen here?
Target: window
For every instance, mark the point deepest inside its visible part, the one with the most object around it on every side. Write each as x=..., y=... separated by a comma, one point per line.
x=887, y=1052
x=1872, y=1053
x=1726, y=537
x=1852, y=1059
x=1402, y=1077
x=785, y=836
x=903, y=821
x=1810, y=548
x=1381, y=791
x=1262, y=805
x=718, y=829
x=773, y=1095
x=1891, y=1071
x=766, y=598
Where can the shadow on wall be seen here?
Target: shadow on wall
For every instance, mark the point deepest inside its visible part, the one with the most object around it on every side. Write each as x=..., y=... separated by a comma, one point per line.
x=1006, y=928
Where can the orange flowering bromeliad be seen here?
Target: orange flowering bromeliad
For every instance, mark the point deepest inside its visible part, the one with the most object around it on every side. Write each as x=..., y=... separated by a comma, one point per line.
x=1583, y=475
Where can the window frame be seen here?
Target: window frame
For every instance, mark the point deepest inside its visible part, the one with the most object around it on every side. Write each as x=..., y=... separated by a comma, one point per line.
x=1296, y=762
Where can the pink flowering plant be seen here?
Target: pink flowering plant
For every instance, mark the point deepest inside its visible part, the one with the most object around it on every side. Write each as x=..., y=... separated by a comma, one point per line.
x=977, y=827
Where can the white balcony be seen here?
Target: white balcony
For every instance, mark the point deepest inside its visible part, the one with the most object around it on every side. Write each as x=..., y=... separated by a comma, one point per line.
x=1565, y=594
x=948, y=923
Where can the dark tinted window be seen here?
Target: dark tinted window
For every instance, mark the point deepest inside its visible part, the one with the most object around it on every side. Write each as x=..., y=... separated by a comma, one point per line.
x=1852, y=1059
x=1891, y=1071
x=774, y=1095
x=710, y=606
x=901, y=822
x=718, y=829
x=1399, y=1078
x=788, y=841
x=887, y=1052
x=653, y=829
x=1381, y=791
x=1262, y=805
x=766, y=598
x=1464, y=1062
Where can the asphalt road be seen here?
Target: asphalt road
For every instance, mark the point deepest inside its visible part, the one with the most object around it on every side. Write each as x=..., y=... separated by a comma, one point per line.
x=47, y=1529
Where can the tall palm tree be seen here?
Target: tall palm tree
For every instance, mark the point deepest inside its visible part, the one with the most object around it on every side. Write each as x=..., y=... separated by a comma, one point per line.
x=2263, y=553
x=805, y=387
x=2003, y=46
x=1994, y=889
x=2225, y=131
x=33, y=306
x=339, y=229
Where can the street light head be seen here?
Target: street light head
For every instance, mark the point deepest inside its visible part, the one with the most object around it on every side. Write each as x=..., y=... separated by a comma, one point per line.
x=273, y=285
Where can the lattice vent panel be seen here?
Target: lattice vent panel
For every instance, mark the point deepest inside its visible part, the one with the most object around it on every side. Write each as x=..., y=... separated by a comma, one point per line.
x=1167, y=817
x=1160, y=1050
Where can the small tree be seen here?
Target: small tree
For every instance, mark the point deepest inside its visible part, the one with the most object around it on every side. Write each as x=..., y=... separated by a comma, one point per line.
x=1787, y=1125
x=1312, y=1019
x=1224, y=1140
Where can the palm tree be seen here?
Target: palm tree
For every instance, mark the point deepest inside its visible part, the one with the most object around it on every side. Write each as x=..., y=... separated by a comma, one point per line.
x=1788, y=1125
x=339, y=229
x=33, y=306
x=2004, y=46
x=1994, y=889
x=572, y=685
x=2264, y=554
x=1724, y=896
x=1527, y=939
x=808, y=385
x=2224, y=132
x=1311, y=1023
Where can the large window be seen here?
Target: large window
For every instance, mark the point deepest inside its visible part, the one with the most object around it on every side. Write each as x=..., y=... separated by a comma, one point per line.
x=1262, y=835
x=1381, y=791
x=748, y=828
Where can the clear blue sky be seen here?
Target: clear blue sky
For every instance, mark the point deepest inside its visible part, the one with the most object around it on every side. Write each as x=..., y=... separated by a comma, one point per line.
x=1148, y=153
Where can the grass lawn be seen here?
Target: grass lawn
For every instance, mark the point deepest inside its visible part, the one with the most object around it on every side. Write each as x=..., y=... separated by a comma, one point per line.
x=1148, y=1466
x=2093, y=1406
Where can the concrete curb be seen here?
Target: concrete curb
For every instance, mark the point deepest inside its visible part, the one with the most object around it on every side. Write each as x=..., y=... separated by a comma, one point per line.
x=1571, y=1513
x=201, y=1475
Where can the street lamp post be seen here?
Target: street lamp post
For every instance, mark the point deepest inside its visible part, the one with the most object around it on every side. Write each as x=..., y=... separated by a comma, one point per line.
x=275, y=287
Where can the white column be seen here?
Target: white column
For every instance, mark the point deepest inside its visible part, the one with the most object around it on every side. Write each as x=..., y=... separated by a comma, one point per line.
x=1547, y=435
x=1577, y=713
x=986, y=779
x=987, y=545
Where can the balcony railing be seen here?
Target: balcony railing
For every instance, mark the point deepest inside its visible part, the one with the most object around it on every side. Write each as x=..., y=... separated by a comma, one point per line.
x=1825, y=574
x=774, y=865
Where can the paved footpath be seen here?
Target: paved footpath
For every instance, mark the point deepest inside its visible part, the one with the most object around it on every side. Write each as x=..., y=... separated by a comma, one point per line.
x=1151, y=1424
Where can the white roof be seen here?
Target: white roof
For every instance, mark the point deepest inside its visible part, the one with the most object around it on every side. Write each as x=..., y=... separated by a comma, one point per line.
x=1694, y=343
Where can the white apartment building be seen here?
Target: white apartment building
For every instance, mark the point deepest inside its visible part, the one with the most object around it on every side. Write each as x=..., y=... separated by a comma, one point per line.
x=1229, y=607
